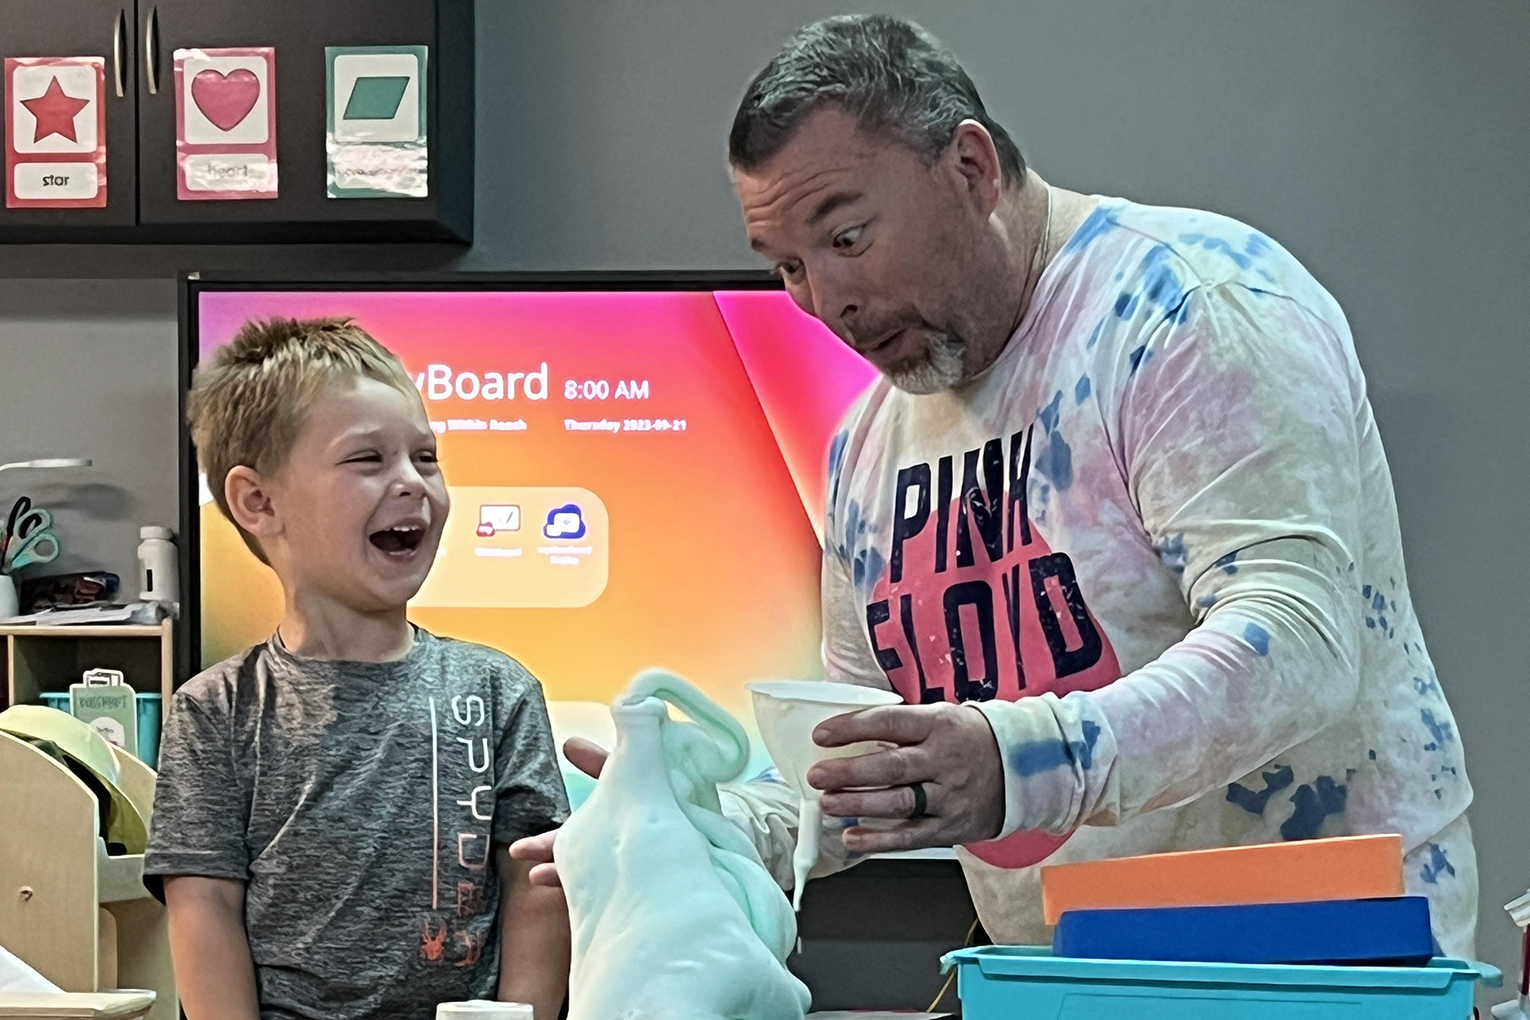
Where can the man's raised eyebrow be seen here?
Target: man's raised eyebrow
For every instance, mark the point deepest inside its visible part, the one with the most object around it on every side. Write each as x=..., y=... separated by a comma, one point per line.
x=831, y=203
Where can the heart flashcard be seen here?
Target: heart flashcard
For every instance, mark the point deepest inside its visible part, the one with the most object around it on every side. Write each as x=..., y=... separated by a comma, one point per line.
x=225, y=123
x=225, y=99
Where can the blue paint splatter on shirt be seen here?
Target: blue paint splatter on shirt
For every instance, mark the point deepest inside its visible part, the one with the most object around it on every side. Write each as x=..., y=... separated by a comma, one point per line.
x=1254, y=803
x=1228, y=563
x=1126, y=305
x=1137, y=357
x=1258, y=639
x=1181, y=311
x=867, y=569
x=1099, y=222
x=1441, y=732
x=1314, y=804
x=1161, y=283
x=1056, y=462
x=1438, y=865
x=1172, y=551
x=1241, y=260
x=1081, y=391
x=1094, y=337
x=1048, y=415
x=1044, y=755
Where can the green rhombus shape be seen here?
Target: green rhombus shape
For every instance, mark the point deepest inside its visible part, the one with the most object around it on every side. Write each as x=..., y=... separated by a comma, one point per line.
x=376, y=97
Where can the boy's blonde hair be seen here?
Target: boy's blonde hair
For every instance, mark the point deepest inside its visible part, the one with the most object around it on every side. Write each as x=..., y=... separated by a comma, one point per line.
x=248, y=401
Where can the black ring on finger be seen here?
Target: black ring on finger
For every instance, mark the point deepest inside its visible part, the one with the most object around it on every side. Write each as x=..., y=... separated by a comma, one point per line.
x=921, y=802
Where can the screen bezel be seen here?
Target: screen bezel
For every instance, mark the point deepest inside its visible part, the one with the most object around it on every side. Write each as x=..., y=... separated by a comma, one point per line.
x=188, y=639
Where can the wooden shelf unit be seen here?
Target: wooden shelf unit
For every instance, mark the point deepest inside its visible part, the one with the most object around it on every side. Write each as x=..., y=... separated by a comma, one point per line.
x=49, y=659
x=80, y=918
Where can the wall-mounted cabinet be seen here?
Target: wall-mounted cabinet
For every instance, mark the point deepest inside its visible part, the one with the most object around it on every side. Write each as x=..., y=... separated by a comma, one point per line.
x=172, y=106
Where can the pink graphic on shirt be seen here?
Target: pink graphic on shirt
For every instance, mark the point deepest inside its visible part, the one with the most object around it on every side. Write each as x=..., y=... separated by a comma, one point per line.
x=973, y=604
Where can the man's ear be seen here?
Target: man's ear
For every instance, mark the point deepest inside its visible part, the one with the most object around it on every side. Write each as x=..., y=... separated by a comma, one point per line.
x=976, y=158
x=249, y=502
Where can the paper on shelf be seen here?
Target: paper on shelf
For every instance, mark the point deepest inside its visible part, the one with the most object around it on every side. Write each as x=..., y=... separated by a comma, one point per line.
x=16, y=976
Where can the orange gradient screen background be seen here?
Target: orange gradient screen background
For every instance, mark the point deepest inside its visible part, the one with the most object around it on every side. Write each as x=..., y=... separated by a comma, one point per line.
x=689, y=427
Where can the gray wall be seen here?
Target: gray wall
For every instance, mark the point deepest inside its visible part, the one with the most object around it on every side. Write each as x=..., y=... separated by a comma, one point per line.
x=1383, y=141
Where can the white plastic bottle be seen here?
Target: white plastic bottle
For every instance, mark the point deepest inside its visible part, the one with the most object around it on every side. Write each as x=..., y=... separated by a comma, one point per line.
x=158, y=572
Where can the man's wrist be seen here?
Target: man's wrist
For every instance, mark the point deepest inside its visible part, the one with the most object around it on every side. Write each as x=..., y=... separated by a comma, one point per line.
x=1010, y=813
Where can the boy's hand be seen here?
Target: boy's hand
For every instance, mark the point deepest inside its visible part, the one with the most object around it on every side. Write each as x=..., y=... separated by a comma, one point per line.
x=534, y=944
x=589, y=758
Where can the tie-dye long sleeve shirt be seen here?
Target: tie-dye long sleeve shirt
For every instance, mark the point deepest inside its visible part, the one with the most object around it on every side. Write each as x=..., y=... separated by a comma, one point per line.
x=1157, y=544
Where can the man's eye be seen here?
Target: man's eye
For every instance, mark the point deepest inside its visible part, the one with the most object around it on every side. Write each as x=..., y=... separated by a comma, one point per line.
x=365, y=458
x=848, y=238
x=790, y=270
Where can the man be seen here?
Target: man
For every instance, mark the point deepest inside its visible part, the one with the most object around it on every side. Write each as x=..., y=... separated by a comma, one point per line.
x=1116, y=523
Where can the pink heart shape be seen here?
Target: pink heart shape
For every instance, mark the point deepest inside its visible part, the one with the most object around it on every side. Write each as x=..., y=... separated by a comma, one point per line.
x=225, y=100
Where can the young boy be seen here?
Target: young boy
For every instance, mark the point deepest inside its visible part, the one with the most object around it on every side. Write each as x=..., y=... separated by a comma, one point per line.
x=333, y=805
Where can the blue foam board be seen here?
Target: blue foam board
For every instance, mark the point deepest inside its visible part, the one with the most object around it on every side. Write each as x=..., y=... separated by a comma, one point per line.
x=1362, y=932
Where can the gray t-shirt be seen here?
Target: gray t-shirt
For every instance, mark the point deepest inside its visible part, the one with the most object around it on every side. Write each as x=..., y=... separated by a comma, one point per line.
x=360, y=803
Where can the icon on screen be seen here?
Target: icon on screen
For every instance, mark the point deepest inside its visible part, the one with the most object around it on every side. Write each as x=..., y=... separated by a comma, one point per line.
x=496, y=517
x=565, y=521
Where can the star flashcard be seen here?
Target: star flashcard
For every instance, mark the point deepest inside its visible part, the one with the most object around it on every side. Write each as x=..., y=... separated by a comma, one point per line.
x=55, y=132
x=225, y=123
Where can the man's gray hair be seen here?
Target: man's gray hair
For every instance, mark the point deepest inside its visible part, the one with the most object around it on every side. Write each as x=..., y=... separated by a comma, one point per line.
x=895, y=78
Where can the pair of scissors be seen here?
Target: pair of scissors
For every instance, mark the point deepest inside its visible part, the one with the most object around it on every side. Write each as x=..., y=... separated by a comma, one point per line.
x=23, y=520
x=26, y=522
x=39, y=546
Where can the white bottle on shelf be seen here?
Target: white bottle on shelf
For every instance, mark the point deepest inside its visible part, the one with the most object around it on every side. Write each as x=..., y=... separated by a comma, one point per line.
x=158, y=572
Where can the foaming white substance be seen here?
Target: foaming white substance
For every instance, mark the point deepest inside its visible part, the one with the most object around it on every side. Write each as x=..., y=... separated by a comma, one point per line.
x=672, y=913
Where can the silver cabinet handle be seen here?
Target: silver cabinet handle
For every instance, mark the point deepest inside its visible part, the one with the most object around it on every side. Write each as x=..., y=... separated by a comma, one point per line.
x=118, y=30
x=151, y=49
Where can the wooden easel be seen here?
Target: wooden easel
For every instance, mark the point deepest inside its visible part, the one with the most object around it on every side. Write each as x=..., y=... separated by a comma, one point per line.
x=80, y=918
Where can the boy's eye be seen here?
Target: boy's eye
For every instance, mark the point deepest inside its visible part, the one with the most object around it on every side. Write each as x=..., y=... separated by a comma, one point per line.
x=789, y=270
x=847, y=239
x=365, y=458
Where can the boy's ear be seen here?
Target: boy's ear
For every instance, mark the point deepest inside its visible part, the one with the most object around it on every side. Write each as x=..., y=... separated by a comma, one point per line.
x=249, y=502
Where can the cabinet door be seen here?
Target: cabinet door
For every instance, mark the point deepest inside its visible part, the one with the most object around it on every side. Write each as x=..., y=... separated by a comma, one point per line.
x=299, y=31
x=72, y=28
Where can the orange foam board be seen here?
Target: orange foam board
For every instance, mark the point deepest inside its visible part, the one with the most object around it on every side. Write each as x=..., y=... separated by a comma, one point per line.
x=1349, y=868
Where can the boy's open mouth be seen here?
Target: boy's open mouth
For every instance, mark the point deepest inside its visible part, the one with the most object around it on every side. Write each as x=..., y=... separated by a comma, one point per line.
x=404, y=538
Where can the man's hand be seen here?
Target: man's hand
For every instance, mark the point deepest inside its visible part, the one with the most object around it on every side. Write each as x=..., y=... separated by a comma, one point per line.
x=949, y=748
x=589, y=758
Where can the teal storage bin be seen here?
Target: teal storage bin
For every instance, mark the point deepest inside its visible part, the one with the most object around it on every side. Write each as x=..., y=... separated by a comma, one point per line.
x=150, y=715
x=1010, y=982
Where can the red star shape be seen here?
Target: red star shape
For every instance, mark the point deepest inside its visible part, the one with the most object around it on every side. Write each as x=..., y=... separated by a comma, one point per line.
x=55, y=112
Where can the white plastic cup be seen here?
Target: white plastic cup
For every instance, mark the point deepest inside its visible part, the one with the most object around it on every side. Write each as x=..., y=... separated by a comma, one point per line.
x=787, y=712
x=483, y=1009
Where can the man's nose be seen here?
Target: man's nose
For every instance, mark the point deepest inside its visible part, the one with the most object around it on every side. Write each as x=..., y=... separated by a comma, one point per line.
x=836, y=304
